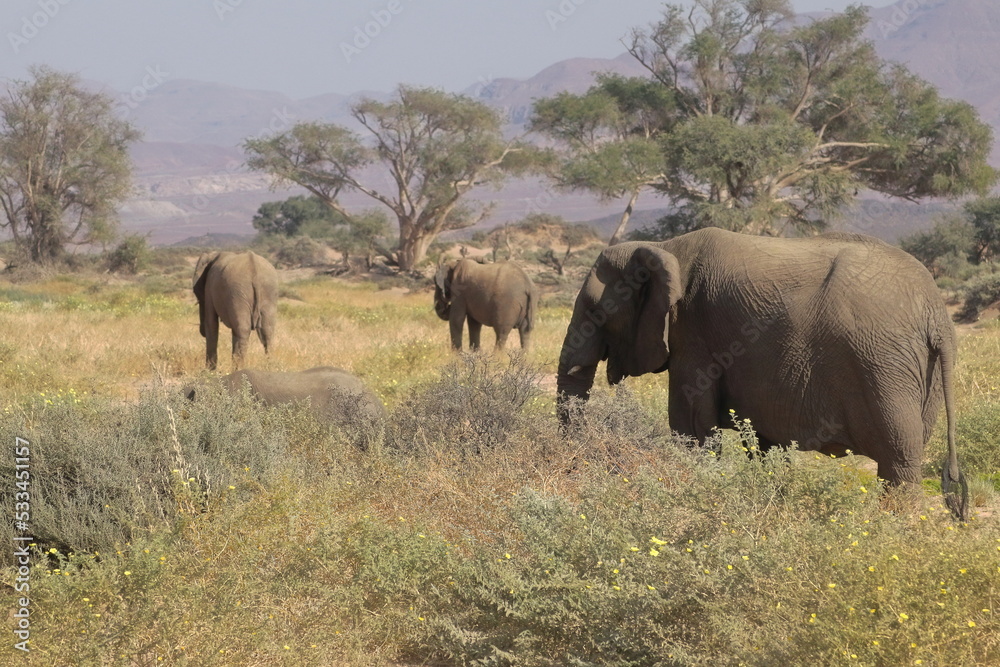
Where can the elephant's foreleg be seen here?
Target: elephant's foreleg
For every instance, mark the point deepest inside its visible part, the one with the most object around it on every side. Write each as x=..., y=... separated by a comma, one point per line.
x=456, y=323
x=475, y=331
x=693, y=408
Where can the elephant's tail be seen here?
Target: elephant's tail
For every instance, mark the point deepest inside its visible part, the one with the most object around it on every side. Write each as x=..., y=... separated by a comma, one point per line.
x=529, y=311
x=953, y=484
x=259, y=317
x=256, y=315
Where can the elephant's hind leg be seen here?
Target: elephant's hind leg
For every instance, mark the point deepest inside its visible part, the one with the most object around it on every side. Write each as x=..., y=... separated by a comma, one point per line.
x=265, y=332
x=893, y=436
x=475, y=331
x=240, y=339
x=525, y=335
x=502, y=334
x=899, y=470
x=211, y=342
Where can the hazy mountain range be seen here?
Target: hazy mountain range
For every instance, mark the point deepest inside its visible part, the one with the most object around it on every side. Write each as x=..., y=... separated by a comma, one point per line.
x=190, y=178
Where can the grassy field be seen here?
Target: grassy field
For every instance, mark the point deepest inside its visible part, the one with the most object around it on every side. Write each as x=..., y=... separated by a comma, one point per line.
x=467, y=530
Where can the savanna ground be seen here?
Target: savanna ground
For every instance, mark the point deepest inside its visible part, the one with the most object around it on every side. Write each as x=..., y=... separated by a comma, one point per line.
x=467, y=530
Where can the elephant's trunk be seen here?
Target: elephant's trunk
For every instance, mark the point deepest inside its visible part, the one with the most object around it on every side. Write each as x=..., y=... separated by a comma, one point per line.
x=572, y=383
x=583, y=349
x=441, y=306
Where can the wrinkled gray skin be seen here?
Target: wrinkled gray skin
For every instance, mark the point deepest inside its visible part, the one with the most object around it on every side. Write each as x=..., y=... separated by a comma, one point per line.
x=835, y=342
x=499, y=295
x=241, y=290
x=334, y=395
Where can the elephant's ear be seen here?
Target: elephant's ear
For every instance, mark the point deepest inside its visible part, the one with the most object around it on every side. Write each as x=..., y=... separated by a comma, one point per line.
x=442, y=278
x=657, y=273
x=205, y=262
x=201, y=269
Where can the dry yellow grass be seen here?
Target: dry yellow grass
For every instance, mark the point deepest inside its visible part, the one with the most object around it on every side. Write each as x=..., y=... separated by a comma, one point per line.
x=115, y=338
x=397, y=557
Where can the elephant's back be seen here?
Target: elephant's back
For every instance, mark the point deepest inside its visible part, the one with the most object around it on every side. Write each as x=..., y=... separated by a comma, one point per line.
x=853, y=278
x=502, y=293
x=322, y=385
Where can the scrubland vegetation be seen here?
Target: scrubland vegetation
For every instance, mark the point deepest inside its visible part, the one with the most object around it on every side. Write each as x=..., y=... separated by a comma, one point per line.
x=467, y=530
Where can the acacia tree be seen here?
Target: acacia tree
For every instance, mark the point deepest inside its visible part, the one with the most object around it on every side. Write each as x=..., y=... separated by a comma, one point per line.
x=295, y=216
x=64, y=163
x=434, y=148
x=984, y=216
x=773, y=128
x=310, y=216
x=958, y=241
x=610, y=137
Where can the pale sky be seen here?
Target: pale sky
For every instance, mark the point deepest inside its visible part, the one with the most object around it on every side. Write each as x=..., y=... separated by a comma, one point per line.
x=309, y=47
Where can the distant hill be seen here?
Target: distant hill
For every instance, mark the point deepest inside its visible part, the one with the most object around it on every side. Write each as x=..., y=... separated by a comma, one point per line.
x=951, y=43
x=189, y=170
x=216, y=241
x=607, y=224
x=515, y=97
x=190, y=178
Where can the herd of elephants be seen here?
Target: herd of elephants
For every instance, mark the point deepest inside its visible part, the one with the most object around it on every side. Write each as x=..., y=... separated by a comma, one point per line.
x=835, y=342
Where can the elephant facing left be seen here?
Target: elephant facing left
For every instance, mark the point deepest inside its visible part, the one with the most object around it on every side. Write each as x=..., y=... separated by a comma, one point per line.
x=241, y=290
x=499, y=295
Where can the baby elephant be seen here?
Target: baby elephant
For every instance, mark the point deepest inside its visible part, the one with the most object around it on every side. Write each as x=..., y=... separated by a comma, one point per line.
x=334, y=395
x=499, y=295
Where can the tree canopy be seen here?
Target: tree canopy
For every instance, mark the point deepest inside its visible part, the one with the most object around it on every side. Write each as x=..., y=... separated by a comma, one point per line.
x=311, y=217
x=612, y=134
x=764, y=125
x=957, y=242
x=297, y=215
x=432, y=148
x=64, y=163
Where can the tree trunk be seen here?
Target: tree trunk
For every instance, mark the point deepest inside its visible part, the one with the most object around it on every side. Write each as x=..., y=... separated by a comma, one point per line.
x=413, y=250
x=626, y=214
x=45, y=242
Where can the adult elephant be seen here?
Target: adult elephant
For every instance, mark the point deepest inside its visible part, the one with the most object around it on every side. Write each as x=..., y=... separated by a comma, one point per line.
x=241, y=289
x=499, y=295
x=835, y=342
x=334, y=395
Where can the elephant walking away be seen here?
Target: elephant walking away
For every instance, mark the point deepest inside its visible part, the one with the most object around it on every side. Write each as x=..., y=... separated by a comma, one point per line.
x=499, y=295
x=334, y=395
x=241, y=290
x=835, y=342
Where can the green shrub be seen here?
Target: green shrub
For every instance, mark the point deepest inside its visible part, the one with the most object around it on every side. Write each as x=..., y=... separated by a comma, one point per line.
x=103, y=471
x=978, y=294
x=298, y=252
x=700, y=559
x=478, y=403
x=978, y=439
x=130, y=256
x=613, y=431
